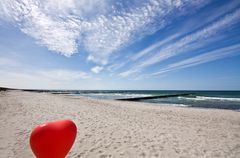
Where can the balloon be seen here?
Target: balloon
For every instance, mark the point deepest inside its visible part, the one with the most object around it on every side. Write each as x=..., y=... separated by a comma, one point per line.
x=53, y=139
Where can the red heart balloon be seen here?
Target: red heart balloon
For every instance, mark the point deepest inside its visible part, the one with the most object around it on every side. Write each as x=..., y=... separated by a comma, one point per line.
x=53, y=139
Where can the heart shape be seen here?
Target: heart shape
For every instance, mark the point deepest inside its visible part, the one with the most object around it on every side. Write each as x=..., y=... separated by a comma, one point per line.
x=53, y=139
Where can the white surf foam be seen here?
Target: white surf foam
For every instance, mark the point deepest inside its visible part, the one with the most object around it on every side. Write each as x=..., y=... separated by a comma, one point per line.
x=201, y=98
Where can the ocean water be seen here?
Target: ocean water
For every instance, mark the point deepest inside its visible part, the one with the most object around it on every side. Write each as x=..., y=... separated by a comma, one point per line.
x=202, y=99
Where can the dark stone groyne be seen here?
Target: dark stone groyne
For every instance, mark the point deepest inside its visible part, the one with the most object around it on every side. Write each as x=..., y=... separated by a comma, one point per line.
x=5, y=89
x=155, y=97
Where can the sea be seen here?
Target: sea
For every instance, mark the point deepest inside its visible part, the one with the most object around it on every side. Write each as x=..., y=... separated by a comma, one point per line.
x=200, y=99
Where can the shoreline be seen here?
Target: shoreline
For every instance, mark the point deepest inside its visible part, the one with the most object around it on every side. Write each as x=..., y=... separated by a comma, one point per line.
x=143, y=103
x=109, y=128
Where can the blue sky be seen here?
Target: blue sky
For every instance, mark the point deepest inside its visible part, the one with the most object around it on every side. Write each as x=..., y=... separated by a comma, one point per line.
x=124, y=44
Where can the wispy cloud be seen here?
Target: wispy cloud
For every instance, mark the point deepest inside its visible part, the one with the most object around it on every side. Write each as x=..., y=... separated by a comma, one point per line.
x=97, y=26
x=186, y=43
x=148, y=50
x=55, y=78
x=97, y=69
x=7, y=62
x=154, y=46
x=8, y=65
x=64, y=75
x=200, y=59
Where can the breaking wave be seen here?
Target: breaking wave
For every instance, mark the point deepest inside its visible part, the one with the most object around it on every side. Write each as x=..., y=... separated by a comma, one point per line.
x=202, y=98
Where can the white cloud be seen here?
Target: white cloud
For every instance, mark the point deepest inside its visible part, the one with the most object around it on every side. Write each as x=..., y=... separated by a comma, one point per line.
x=44, y=79
x=154, y=46
x=7, y=62
x=200, y=59
x=137, y=56
x=64, y=75
x=97, y=69
x=94, y=25
x=184, y=44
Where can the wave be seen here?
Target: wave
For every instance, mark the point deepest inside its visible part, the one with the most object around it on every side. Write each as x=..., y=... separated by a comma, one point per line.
x=202, y=98
x=180, y=105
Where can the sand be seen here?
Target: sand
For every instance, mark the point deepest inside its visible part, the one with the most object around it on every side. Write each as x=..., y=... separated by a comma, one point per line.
x=118, y=128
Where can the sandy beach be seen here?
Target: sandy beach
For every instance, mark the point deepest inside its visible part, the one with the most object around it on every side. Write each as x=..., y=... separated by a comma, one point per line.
x=119, y=129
